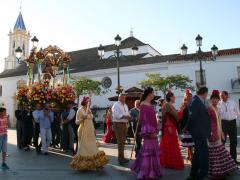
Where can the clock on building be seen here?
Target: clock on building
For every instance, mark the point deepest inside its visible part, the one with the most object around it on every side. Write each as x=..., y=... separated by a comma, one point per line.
x=106, y=82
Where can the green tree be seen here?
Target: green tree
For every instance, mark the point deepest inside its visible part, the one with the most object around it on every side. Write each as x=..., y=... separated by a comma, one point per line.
x=85, y=86
x=164, y=83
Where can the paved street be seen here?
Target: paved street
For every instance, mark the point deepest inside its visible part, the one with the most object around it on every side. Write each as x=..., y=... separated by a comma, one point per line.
x=29, y=165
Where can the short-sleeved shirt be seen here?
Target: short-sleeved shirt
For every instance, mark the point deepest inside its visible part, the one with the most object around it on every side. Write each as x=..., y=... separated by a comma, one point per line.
x=3, y=126
x=36, y=114
x=45, y=122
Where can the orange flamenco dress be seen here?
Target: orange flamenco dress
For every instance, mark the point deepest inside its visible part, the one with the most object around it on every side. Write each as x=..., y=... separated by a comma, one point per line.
x=170, y=153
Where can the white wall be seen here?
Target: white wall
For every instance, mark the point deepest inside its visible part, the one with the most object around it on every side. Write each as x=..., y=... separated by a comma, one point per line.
x=9, y=86
x=218, y=74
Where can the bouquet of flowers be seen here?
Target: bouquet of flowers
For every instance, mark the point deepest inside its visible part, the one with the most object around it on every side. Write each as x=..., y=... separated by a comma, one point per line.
x=41, y=93
x=65, y=93
x=21, y=95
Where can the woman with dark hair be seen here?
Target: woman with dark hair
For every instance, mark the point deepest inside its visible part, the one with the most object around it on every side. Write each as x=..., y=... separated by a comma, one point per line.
x=88, y=156
x=220, y=161
x=187, y=140
x=169, y=147
x=147, y=163
x=109, y=135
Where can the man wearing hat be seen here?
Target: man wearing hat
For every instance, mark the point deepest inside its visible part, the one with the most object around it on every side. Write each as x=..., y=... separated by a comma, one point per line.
x=121, y=117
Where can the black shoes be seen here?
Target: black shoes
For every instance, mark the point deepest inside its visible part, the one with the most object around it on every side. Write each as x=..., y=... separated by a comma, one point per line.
x=5, y=166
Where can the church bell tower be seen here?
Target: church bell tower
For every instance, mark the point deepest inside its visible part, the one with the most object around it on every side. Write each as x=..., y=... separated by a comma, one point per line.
x=19, y=37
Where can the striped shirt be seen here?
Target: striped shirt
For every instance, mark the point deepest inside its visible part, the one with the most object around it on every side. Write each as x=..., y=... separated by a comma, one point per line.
x=3, y=126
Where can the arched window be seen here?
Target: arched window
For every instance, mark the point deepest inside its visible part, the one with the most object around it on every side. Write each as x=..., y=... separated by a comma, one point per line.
x=0, y=90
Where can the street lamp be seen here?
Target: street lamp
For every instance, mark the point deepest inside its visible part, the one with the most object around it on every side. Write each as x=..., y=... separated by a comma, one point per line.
x=18, y=52
x=199, y=40
x=184, y=50
x=117, y=55
x=200, y=55
x=35, y=41
x=33, y=58
x=118, y=40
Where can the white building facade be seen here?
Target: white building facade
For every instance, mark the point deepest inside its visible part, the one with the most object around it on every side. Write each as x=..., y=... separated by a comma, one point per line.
x=222, y=74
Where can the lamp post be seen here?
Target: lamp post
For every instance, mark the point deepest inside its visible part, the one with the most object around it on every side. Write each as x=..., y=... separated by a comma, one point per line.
x=117, y=55
x=18, y=51
x=200, y=56
x=33, y=58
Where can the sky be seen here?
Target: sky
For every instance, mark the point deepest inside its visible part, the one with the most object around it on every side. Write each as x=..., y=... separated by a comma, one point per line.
x=164, y=24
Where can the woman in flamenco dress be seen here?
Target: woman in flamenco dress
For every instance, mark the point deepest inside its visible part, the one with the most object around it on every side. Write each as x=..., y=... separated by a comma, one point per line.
x=147, y=163
x=88, y=156
x=109, y=136
x=220, y=161
x=170, y=155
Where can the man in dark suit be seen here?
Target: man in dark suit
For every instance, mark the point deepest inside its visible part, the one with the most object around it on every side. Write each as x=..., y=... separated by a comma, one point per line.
x=199, y=127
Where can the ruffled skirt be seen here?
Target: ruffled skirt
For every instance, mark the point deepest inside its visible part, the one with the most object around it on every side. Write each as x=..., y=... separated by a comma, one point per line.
x=147, y=163
x=187, y=140
x=108, y=137
x=170, y=155
x=95, y=162
x=220, y=162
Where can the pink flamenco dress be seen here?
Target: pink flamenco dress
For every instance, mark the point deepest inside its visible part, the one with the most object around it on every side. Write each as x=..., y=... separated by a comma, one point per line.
x=109, y=135
x=147, y=164
x=170, y=156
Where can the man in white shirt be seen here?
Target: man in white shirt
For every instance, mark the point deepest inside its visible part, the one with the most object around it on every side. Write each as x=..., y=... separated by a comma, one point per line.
x=36, y=114
x=229, y=114
x=121, y=117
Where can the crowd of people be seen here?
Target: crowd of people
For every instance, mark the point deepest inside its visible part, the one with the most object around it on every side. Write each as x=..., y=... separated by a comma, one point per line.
x=199, y=125
x=202, y=127
x=42, y=128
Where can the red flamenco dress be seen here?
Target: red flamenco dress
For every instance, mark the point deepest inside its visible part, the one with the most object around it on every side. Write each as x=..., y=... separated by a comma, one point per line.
x=170, y=153
x=109, y=135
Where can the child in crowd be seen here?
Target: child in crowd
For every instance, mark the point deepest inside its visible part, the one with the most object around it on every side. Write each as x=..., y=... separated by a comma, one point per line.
x=4, y=123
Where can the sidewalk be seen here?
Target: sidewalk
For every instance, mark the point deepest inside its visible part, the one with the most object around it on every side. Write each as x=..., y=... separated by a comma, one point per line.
x=30, y=166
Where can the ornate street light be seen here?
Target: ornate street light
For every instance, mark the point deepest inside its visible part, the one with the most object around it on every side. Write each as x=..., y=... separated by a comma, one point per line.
x=200, y=56
x=35, y=41
x=18, y=53
x=199, y=40
x=118, y=40
x=117, y=55
x=184, y=50
x=214, y=50
x=33, y=58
